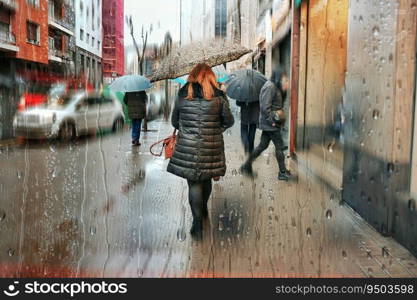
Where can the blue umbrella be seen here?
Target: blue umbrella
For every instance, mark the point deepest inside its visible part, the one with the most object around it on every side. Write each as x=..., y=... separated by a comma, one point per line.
x=130, y=83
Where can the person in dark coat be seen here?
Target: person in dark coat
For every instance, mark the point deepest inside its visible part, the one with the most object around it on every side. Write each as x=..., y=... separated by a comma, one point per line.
x=271, y=100
x=136, y=108
x=201, y=114
x=249, y=118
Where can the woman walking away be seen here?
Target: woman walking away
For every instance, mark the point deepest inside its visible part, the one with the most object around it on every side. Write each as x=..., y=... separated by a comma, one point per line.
x=201, y=114
x=136, y=107
x=249, y=118
x=270, y=122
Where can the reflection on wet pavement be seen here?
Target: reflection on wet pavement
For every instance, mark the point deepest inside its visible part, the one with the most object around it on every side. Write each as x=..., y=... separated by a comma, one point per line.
x=100, y=207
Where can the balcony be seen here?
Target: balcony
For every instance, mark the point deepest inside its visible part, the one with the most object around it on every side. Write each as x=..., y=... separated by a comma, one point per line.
x=10, y=4
x=8, y=41
x=55, y=54
x=56, y=22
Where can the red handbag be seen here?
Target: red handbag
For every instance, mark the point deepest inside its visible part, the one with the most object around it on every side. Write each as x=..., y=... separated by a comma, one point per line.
x=168, y=145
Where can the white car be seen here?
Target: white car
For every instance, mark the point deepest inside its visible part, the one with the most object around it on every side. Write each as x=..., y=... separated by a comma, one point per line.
x=69, y=116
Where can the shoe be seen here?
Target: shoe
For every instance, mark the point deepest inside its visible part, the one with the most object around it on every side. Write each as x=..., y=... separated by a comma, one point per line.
x=197, y=230
x=136, y=143
x=286, y=175
x=247, y=170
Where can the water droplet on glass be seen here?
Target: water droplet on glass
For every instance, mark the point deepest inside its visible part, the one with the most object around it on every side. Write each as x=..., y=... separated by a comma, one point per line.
x=385, y=252
x=344, y=254
x=10, y=252
x=376, y=114
x=308, y=231
x=390, y=168
x=52, y=148
x=270, y=209
x=181, y=234
x=329, y=214
x=412, y=205
x=375, y=31
x=2, y=215
x=19, y=174
x=234, y=172
x=93, y=230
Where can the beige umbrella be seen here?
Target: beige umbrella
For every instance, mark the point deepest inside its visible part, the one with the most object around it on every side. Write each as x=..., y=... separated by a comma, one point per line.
x=181, y=60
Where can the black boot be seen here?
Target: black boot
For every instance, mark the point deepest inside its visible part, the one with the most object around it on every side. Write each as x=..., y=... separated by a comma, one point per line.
x=197, y=230
x=246, y=169
x=286, y=175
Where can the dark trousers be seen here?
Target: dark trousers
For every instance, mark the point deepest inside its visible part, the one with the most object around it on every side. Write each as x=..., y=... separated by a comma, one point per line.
x=266, y=138
x=247, y=135
x=198, y=195
x=136, y=123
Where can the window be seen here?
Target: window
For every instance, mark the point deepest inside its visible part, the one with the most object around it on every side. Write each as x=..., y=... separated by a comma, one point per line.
x=32, y=31
x=220, y=18
x=98, y=45
x=92, y=17
x=34, y=3
x=92, y=41
x=88, y=38
x=81, y=35
x=81, y=6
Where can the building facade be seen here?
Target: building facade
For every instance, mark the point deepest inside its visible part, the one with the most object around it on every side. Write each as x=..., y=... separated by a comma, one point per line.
x=61, y=38
x=113, y=39
x=88, y=31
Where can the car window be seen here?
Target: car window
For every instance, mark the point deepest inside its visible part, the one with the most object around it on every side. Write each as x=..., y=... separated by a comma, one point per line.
x=93, y=101
x=106, y=100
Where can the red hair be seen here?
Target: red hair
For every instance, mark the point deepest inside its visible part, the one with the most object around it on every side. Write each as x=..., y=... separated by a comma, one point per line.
x=203, y=75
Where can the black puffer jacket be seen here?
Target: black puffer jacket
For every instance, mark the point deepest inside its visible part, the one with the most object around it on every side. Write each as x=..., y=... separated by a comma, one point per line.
x=199, y=152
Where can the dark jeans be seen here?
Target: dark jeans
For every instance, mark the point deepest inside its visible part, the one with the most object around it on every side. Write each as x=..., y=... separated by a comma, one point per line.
x=136, y=123
x=266, y=138
x=247, y=135
x=198, y=195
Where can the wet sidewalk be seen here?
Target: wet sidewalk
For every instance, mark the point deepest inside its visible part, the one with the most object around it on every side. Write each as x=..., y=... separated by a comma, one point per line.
x=102, y=208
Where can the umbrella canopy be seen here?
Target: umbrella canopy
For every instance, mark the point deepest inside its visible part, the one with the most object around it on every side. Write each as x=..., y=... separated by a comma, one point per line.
x=220, y=71
x=130, y=83
x=245, y=85
x=181, y=60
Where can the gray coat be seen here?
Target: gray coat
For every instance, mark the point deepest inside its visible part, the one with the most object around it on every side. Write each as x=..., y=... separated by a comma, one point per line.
x=136, y=104
x=270, y=99
x=199, y=151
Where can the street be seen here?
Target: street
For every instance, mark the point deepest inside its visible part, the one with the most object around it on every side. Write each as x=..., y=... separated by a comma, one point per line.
x=102, y=208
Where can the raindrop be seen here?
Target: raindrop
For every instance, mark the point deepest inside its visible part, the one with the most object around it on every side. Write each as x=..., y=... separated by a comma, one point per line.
x=330, y=147
x=2, y=215
x=19, y=174
x=270, y=209
x=52, y=148
x=181, y=234
x=385, y=252
x=412, y=205
x=93, y=230
x=369, y=254
x=308, y=232
x=221, y=227
x=234, y=172
x=344, y=254
x=362, y=143
x=376, y=114
x=375, y=31
x=332, y=197
x=10, y=252
x=329, y=214
x=390, y=168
